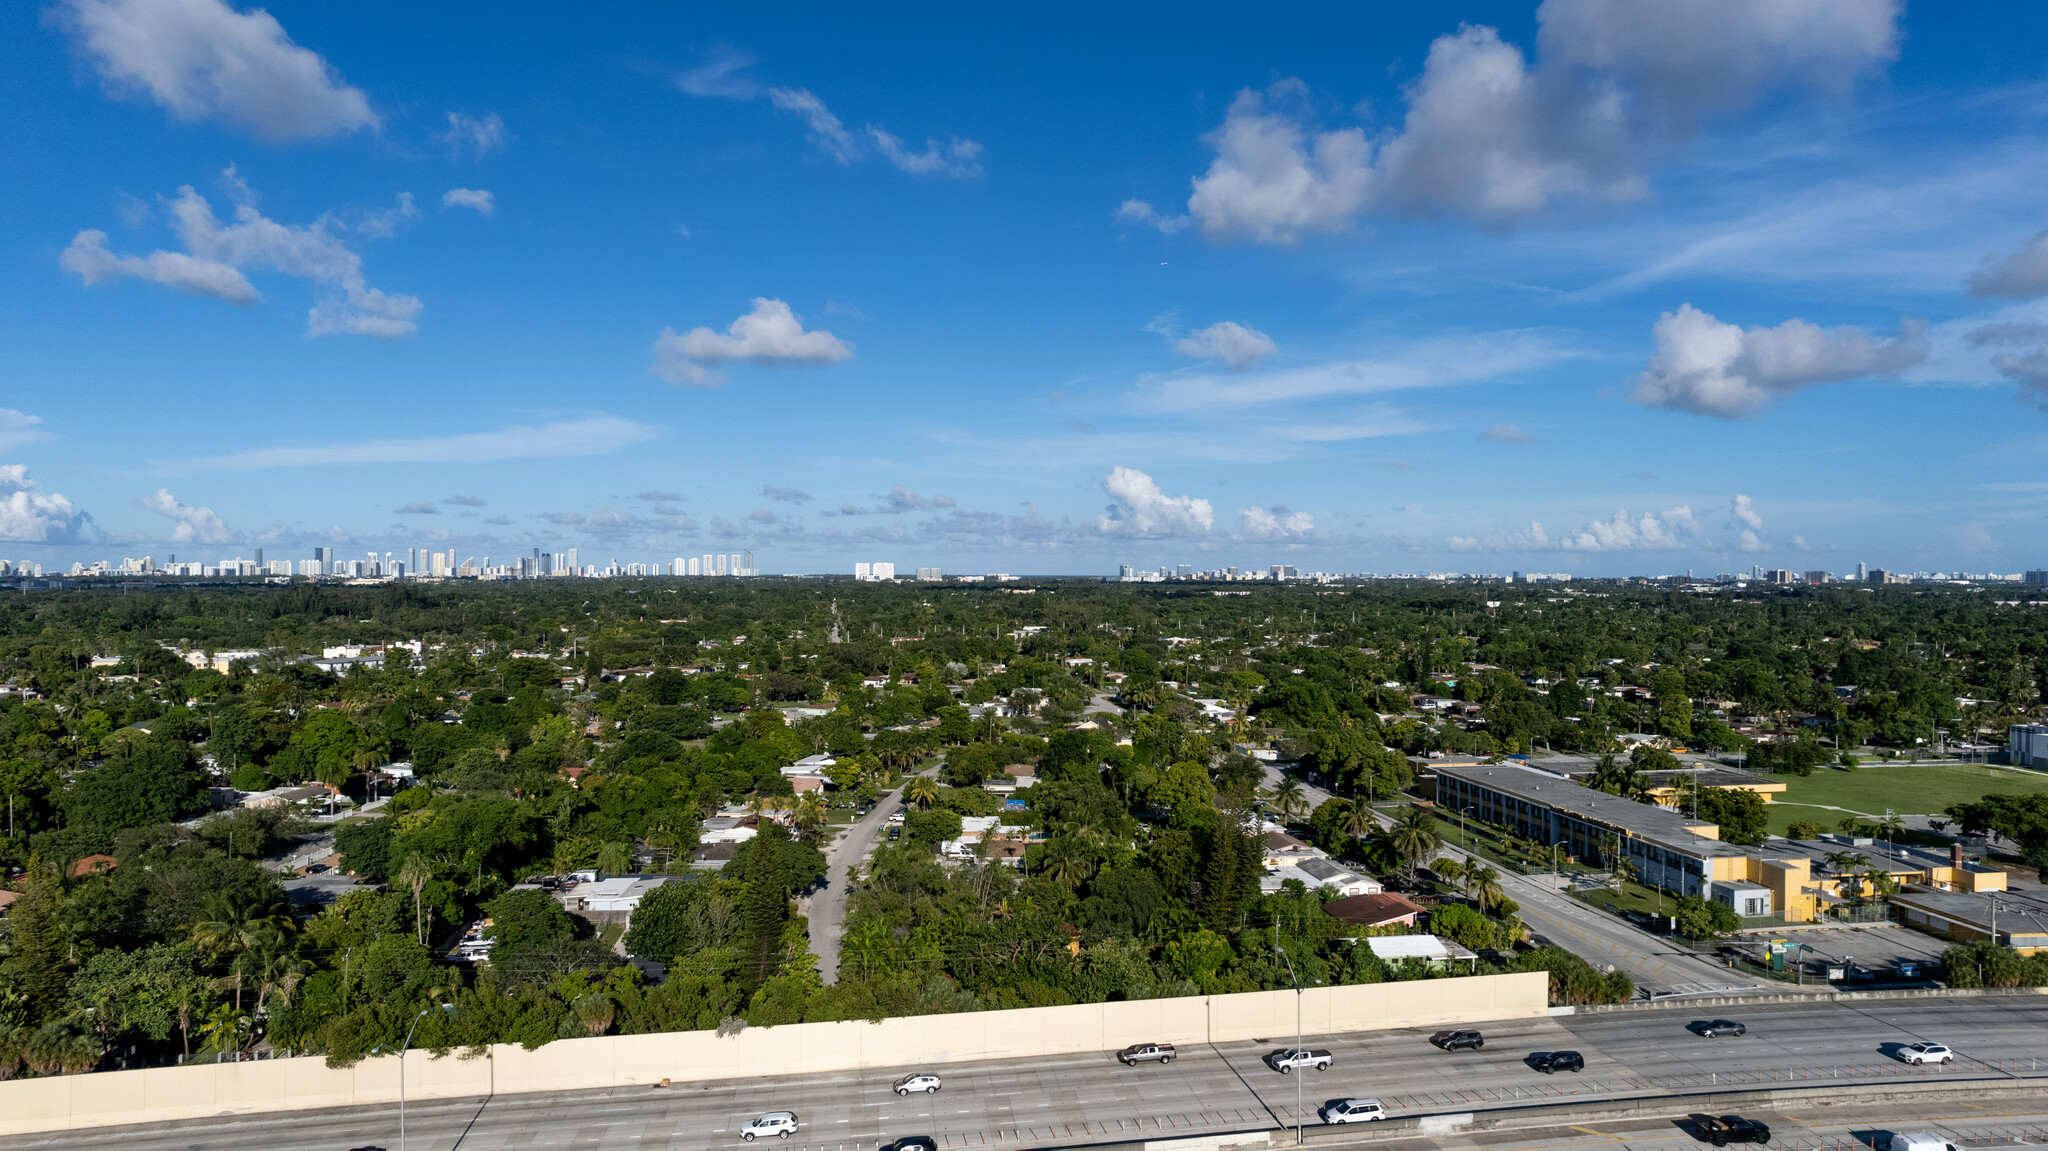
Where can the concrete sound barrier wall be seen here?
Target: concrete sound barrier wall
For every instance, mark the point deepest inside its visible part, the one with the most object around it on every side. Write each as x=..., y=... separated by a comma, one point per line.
x=162, y=1094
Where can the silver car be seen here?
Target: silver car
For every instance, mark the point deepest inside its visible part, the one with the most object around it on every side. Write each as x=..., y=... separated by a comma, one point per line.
x=929, y=1084
x=777, y=1123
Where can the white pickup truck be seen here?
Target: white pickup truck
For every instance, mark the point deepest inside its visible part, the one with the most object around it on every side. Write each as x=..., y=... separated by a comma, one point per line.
x=1293, y=1057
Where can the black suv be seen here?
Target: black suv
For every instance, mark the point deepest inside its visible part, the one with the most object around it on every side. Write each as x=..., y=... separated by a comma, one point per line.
x=1456, y=1040
x=1721, y=1130
x=1552, y=1062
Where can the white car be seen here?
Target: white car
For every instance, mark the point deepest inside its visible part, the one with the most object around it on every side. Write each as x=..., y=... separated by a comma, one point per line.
x=925, y=1083
x=778, y=1123
x=1926, y=1053
x=1354, y=1111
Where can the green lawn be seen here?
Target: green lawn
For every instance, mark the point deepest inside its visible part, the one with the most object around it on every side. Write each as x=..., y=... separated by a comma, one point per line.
x=1925, y=790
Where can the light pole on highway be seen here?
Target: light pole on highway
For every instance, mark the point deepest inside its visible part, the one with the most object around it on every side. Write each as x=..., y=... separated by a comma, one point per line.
x=424, y=1012
x=1297, y=1028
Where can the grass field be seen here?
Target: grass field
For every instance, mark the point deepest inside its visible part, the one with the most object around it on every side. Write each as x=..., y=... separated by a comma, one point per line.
x=1908, y=790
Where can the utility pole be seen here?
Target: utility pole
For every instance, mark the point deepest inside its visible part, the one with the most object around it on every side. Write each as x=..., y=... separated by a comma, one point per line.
x=1297, y=1028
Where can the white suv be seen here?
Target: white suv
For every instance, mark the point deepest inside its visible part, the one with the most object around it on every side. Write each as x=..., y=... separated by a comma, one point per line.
x=779, y=1123
x=925, y=1083
x=1926, y=1053
x=1354, y=1111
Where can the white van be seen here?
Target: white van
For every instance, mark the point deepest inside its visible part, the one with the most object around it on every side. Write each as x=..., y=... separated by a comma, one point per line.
x=1354, y=1111
x=1917, y=1141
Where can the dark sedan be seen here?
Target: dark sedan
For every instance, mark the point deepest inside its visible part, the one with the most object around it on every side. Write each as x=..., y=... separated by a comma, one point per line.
x=1721, y=1130
x=1710, y=1028
x=1458, y=1040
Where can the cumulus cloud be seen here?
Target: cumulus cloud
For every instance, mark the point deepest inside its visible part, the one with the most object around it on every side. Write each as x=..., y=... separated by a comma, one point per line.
x=194, y=525
x=215, y=255
x=2023, y=273
x=1238, y=346
x=17, y=428
x=417, y=508
x=1507, y=434
x=1490, y=137
x=1279, y=522
x=1745, y=511
x=478, y=136
x=475, y=198
x=1647, y=532
x=30, y=515
x=656, y=495
x=465, y=502
x=1709, y=368
x=2030, y=372
x=203, y=59
x=769, y=335
x=1534, y=539
x=1139, y=508
x=902, y=499
x=785, y=495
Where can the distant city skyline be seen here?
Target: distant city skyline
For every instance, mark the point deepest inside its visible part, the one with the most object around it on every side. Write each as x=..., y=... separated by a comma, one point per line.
x=1580, y=286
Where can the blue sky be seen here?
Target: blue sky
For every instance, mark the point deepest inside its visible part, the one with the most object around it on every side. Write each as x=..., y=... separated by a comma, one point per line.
x=1594, y=287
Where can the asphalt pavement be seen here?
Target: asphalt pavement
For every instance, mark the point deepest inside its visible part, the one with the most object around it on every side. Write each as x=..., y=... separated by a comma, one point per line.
x=825, y=913
x=1081, y=1099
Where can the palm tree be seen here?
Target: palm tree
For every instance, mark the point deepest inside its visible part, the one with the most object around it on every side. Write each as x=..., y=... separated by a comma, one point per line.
x=1483, y=882
x=615, y=859
x=1287, y=797
x=415, y=873
x=230, y=931
x=1449, y=870
x=810, y=810
x=921, y=791
x=1356, y=821
x=1415, y=837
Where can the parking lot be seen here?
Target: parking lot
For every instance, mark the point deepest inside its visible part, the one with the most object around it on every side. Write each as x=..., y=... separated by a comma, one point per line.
x=1880, y=946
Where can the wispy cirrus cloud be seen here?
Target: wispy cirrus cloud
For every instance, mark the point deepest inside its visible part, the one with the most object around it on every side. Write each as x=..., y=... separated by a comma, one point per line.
x=592, y=436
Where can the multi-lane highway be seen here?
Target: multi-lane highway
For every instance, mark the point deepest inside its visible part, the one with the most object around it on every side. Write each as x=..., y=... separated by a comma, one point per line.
x=1072, y=1100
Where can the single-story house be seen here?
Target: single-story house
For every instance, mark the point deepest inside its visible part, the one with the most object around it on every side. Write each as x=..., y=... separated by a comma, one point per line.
x=1377, y=909
x=1436, y=952
x=1283, y=850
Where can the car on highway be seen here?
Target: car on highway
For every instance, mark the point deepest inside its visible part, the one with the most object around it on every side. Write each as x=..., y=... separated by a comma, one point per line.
x=1710, y=1028
x=1926, y=1053
x=777, y=1123
x=1721, y=1130
x=1915, y=1141
x=1552, y=1062
x=1145, y=1053
x=1286, y=1061
x=1458, y=1040
x=915, y=1143
x=925, y=1083
x=1354, y=1111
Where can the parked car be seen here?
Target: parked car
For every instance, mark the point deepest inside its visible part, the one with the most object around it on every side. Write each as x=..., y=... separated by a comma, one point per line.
x=1721, y=1130
x=1146, y=1053
x=928, y=1084
x=1710, y=1028
x=1458, y=1040
x=1552, y=1062
x=895, y=833
x=1916, y=1141
x=1926, y=1053
x=1286, y=1061
x=776, y=1123
x=1357, y=1111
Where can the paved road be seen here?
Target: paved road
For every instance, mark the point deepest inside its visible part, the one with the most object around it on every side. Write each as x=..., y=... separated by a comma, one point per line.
x=826, y=911
x=1080, y=1099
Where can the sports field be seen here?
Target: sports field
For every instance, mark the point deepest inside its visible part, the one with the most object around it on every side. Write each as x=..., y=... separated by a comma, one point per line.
x=1830, y=794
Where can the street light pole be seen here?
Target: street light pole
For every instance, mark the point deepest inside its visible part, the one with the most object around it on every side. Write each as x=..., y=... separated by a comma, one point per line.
x=402, y=1047
x=1297, y=1028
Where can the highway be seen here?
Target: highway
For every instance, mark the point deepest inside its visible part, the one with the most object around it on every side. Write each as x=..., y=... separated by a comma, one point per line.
x=1080, y=1099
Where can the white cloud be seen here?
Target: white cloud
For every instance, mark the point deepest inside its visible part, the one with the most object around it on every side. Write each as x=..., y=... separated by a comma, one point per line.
x=1238, y=346
x=783, y=495
x=195, y=525
x=1744, y=509
x=770, y=335
x=2029, y=371
x=1489, y=137
x=827, y=132
x=720, y=76
x=28, y=515
x=1278, y=523
x=215, y=256
x=1507, y=434
x=592, y=436
x=1709, y=368
x=1647, y=532
x=202, y=59
x=417, y=508
x=2023, y=273
x=475, y=198
x=1139, y=508
x=1535, y=539
x=382, y=224
x=961, y=159
x=466, y=502
x=477, y=135
x=1417, y=364
x=902, y=499
x=18, y=428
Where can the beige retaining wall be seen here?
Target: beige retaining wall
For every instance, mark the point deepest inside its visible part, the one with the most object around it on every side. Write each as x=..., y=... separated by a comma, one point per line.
x=162, y=1094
